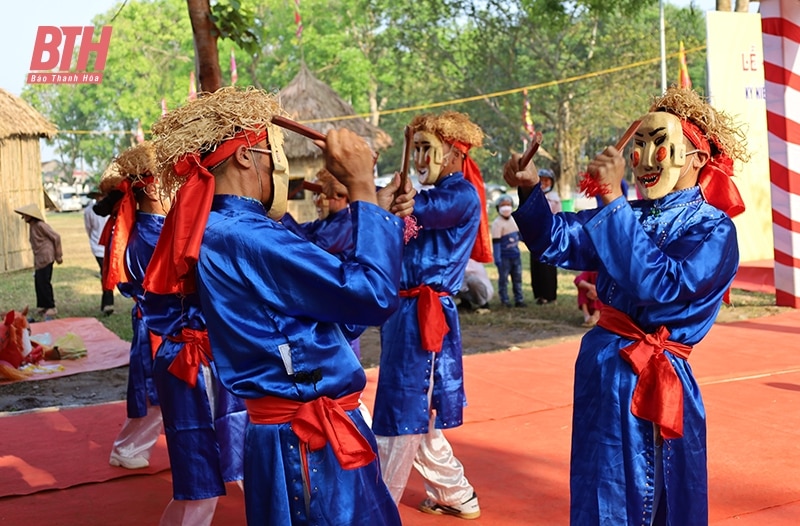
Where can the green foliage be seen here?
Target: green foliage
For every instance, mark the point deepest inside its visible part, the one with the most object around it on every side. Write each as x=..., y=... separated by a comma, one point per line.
x=392, y=60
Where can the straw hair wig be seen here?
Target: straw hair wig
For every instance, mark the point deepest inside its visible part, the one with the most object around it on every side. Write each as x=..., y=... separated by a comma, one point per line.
x=451, y=126
x=718, y=126
x=206, y=122
x=138, y=161
x=110, y=178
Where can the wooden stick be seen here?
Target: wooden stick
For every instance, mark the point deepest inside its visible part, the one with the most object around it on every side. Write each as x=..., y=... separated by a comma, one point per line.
x=408, y=147
x=305, y=185
x=314, y=187
x=627, y=135
x=296, y=127
x=531, y=151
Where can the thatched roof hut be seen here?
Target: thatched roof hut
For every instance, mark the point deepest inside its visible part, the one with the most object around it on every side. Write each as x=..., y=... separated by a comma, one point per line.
x=21, y=127
x=312, y=102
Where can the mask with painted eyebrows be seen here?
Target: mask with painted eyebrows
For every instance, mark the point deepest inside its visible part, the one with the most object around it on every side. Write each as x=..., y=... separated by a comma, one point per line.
x=659, y=154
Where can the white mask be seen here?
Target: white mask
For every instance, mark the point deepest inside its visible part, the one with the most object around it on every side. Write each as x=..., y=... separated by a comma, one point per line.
x=659, y=154
x=428, y=157
x=505, y=210
x=280, y=173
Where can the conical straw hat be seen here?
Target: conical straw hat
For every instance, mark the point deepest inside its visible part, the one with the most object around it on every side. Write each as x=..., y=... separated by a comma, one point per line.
x=30, y=210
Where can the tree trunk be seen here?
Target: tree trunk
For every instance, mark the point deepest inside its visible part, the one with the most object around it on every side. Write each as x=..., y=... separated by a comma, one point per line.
x=206, y=34
x=742, y=6
x=567, y=151
x=723, y=5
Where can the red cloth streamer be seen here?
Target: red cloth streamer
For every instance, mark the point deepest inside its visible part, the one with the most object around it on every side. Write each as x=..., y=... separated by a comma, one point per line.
x=482, y=249
x=317, y=423
x=171, y=269
x=715, y=177
x=430, y=315
x=658, y=395
x=590, y=187
x=196, y=351
x=117, y=232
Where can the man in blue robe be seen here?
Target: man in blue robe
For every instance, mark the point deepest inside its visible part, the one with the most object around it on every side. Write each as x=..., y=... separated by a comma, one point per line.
x=421, y=384
x=136, y=216
x=276, y=304
x=664, y=265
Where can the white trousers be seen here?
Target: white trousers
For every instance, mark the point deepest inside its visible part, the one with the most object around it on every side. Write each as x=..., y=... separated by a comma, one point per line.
x=432, y=456
x=138, y=435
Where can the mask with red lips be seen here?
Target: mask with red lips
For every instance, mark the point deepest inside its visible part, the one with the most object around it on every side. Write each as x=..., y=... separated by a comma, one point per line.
x=659, y=154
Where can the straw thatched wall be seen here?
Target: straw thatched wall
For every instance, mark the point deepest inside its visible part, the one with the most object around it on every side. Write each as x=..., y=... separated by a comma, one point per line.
x=310, y=101
x=21, y=126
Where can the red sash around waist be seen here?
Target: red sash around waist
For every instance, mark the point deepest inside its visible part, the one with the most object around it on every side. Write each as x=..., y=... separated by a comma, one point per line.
x=316, y=423
x=430, y=315
x=195, y=351
x=658, y=395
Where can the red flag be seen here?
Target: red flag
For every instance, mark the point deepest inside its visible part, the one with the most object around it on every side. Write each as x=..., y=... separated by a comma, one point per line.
x=683, y=74
x=163, y=106
x=234, y=74
x=192, y=87
x=297, y=20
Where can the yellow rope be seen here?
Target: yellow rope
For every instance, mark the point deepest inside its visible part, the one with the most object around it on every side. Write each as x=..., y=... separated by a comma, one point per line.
x=496, y=94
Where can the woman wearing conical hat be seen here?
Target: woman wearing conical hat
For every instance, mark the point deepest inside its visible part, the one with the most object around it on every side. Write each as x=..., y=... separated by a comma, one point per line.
x=46, y=245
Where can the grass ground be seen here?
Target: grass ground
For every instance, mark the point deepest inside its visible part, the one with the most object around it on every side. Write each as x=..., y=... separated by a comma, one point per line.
x=76, y=282
x=76, y=287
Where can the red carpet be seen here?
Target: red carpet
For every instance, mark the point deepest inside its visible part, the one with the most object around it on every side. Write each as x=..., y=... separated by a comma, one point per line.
x=57, y=449
x=756, y=276
x=516, y=439
x=104, y=349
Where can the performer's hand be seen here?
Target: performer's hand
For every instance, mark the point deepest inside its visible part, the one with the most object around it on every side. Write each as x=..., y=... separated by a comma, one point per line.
x=350, y=160
x=59, y=261
x=525, y=178
x=403, y=204
x=333, y=189
x=608, y=169
x=591, y=293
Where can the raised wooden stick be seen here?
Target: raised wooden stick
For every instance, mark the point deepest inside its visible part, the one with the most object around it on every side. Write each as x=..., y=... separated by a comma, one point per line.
x=296, y=127
x=627, y=135
x=405, y=164
x=531, y=151
x=314, y=187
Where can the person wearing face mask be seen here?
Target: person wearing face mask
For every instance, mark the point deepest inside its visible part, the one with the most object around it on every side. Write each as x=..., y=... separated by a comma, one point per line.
x=420, y=384
x=544, y=276
x=507, y=257
x=664, y=265
x=275, y=303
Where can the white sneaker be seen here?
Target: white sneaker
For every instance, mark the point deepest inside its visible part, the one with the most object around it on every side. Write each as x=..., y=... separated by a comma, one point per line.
x=118, y=460
x=468, y=509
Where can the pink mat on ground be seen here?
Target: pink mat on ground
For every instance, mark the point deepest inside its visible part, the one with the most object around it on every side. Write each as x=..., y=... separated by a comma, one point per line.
x=104, y=349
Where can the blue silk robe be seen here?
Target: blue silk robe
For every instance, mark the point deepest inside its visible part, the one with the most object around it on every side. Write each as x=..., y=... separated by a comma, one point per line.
x=274, y=304
x=663, y=262
x=141, y=243
x=449, y=214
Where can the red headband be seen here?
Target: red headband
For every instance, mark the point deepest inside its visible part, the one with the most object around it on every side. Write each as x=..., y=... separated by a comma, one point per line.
x=714, y=178
x=171, y=269
x=118, y=230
